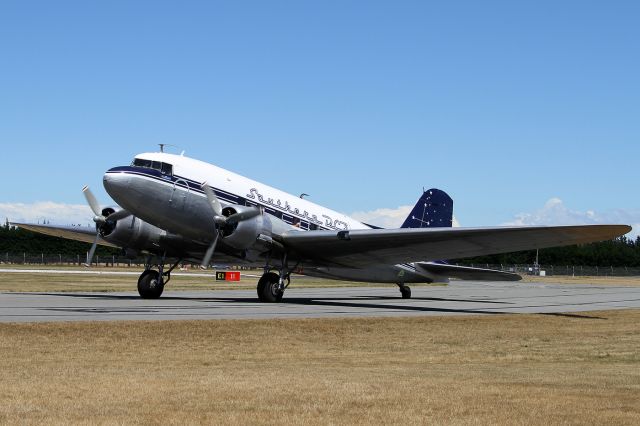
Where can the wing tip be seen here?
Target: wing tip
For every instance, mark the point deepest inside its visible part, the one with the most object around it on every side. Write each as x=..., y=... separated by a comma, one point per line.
x=614, y=231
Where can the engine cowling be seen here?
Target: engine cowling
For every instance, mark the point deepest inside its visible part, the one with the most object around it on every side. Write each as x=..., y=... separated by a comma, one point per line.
x=246, y=234
x=130, y=232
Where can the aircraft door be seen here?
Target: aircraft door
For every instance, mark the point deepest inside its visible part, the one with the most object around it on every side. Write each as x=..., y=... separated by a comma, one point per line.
x=179, y=195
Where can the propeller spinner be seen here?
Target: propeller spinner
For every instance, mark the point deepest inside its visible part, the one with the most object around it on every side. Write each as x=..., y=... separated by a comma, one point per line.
x=220, y=220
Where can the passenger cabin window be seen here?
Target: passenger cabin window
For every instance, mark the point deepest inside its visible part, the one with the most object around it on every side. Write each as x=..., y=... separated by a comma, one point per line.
x=164, y=168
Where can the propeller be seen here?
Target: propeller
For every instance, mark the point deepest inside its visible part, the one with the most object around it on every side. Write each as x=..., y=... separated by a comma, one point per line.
x=220, y=220
x=92, y=251
x=100, y=219
x=209, y=253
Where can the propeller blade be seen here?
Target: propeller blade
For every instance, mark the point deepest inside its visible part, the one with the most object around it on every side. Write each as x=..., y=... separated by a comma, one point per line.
x=207, y=256
x=247, y=214
x=120, y=214
x=92, y=252
x=92, y=201
x=213, y=200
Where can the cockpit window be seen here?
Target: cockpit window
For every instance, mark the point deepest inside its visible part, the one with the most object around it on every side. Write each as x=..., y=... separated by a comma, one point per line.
x=167, y=169
x=164, y=168
x=140, y=162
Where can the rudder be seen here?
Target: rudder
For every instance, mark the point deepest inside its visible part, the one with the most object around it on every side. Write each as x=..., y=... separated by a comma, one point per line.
x=434, y=209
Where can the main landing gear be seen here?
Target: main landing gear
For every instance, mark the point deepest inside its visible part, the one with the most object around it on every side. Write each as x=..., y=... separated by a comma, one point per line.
x=405, y=290
x=271, y=285
x=269, y=289
x=151, y=282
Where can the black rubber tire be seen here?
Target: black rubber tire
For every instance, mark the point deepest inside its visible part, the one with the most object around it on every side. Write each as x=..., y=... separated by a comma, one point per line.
x=406, y=292
x=149, y=286
x=267, y=288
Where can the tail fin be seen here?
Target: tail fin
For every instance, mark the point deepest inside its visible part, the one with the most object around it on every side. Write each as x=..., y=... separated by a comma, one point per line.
x=434, y=209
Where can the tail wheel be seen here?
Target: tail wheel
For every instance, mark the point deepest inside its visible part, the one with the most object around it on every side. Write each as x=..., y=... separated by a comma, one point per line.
x=269, y=289
x=150, y=285
x=406, y=292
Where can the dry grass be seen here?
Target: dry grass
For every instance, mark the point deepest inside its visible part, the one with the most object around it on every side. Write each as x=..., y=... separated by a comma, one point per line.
x=506, y=369
x=30, y=282
x=100, y=282
x=190, y=280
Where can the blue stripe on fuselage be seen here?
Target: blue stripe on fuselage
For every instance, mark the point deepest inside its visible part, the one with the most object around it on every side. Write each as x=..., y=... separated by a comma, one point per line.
x=194, y=186
x=228, y=197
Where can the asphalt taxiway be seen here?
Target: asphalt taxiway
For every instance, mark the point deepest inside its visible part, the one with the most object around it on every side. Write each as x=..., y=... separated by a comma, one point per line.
x=458, y=298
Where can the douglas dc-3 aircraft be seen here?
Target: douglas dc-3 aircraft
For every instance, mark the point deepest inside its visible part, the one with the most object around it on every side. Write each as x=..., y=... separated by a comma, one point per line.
x=179, y=208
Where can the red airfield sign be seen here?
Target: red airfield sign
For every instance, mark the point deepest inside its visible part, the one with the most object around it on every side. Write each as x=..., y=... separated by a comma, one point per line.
x=228, y=276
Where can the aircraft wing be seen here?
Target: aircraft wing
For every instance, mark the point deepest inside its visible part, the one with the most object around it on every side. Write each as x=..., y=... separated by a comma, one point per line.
x=466, y=272
x=77, y=233
x=362, y=248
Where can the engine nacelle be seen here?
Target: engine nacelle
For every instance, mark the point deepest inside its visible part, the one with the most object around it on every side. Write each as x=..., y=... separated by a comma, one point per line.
x=131, y=233
x=246, y=234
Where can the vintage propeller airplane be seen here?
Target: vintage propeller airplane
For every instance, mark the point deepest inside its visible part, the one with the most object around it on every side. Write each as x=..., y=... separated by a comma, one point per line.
x=176, y=208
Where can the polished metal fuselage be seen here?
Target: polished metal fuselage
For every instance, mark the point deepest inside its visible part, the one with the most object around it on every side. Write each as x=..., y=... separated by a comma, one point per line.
x=179, y=206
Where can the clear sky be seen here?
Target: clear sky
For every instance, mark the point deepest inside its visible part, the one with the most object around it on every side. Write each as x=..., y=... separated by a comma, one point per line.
x=525, y=112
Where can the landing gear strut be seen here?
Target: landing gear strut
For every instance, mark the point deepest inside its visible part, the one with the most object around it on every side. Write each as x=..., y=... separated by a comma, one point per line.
x=405, y=291
x=151, y=282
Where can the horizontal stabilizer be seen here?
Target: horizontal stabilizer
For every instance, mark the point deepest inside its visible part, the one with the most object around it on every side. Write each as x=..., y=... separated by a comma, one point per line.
x=466, y=272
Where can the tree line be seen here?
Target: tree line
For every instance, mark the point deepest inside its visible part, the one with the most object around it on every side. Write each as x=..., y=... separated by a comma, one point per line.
x=16, y=240
x=622, y=251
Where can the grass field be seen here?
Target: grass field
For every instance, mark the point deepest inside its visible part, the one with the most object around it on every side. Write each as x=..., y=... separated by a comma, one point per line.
x=507, y=369
x=102, y=280
x=511, y=369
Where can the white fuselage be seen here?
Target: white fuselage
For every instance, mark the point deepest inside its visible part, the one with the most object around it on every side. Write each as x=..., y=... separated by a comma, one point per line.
x=166, y=190
x=232, y=186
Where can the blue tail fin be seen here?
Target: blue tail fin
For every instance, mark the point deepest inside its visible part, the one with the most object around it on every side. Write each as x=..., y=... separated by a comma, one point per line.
x=434, y=209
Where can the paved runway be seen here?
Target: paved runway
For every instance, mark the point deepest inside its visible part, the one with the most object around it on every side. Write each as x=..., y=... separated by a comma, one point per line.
x=459, y=298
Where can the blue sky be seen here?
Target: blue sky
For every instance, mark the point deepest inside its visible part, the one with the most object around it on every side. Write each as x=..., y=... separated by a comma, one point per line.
x=524, y=112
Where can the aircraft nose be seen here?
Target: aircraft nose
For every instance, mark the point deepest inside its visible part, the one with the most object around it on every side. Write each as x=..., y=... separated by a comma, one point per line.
x=115, y=182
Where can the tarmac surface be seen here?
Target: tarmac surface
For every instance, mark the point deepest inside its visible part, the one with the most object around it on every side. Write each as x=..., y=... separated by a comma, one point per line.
x=458, y=298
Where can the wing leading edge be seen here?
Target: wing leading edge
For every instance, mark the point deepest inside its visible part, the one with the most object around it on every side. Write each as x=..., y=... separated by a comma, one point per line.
x=362, y=248
x=77, y=233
